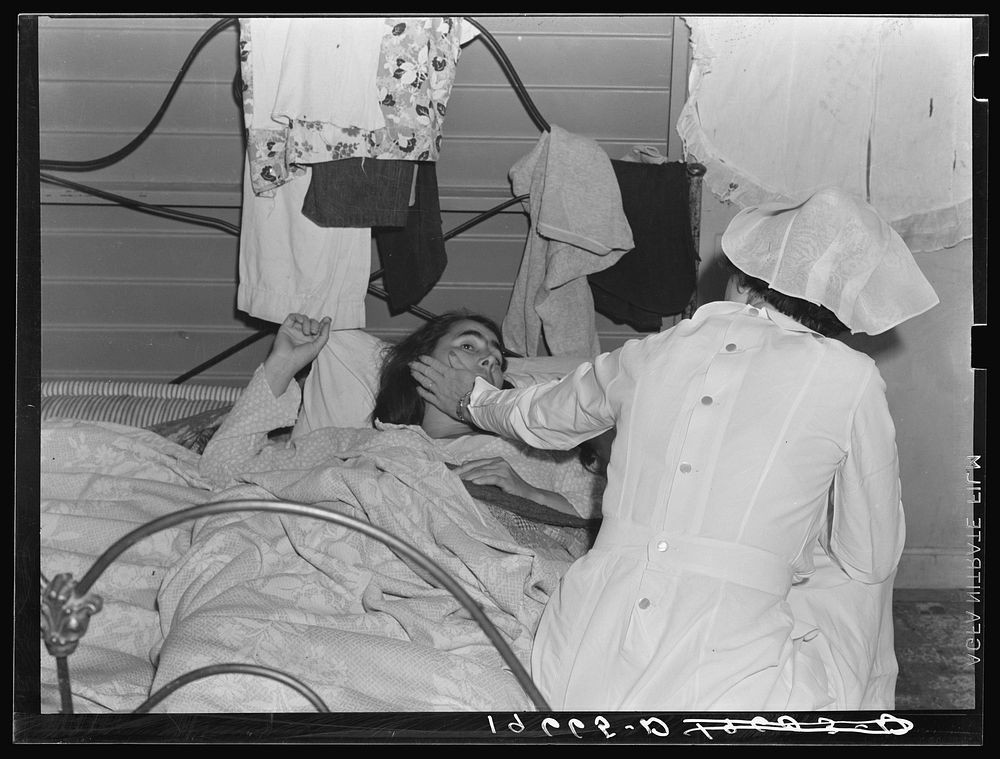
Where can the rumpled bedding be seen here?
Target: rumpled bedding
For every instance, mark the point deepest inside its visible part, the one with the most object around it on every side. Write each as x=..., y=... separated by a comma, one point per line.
x=99, y=481
x=348, y=616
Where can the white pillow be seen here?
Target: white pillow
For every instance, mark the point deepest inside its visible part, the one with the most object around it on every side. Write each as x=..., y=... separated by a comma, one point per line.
x=340, y=388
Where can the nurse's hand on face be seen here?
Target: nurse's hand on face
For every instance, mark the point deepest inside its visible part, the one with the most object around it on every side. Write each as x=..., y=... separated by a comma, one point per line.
x=442, y=385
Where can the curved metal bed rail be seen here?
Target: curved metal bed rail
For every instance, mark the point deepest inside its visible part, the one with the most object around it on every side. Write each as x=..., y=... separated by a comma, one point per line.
x=232, y=668
x=137, y=205
x=67, y=606
x=511, y=72
x=99, y=163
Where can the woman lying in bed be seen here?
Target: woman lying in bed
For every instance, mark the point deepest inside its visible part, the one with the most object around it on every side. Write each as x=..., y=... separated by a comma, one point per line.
x=556, y=480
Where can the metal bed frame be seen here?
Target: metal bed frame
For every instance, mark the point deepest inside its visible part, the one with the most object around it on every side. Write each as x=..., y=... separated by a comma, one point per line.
x=67, y=605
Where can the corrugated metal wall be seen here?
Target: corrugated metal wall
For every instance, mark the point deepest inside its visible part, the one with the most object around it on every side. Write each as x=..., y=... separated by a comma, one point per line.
x=133, y=296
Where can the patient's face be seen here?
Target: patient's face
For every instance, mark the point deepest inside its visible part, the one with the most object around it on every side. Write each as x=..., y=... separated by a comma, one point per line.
x=470, y=345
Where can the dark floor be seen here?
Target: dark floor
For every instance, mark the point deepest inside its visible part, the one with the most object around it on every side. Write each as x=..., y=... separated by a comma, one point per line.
x=934, y=647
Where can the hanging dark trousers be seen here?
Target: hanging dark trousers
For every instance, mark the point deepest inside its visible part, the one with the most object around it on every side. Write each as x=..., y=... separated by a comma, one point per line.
x=658, y=276
x=414, y=256
x=359, y=192
x=376, y=193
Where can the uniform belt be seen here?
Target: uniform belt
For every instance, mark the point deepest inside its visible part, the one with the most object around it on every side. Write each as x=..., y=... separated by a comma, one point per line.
x=723, y=560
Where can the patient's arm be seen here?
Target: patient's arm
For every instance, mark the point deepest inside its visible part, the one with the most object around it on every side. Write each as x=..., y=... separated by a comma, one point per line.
x=269, y=402
x=497, y=471
x=298, y=342
x=241, y=442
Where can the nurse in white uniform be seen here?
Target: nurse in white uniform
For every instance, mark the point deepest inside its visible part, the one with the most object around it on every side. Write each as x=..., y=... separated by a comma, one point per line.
x=747, y=436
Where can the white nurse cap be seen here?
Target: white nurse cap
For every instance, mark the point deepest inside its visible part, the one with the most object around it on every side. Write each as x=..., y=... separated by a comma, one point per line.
x=834, y=250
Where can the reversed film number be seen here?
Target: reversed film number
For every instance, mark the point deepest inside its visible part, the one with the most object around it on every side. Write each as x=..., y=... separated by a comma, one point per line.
x=652, y=725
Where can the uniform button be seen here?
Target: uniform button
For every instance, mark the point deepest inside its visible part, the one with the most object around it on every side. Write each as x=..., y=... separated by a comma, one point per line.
x=731, y=347
x=752, y=311
x=706, y=400
x=662, y=546
x=685, y=467
x=643, y=603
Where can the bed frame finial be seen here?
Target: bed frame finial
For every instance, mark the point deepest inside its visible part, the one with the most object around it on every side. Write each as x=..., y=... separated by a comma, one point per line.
x=65, y=615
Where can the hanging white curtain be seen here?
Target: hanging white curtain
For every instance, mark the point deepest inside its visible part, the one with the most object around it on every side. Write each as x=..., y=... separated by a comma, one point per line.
x=779, y=107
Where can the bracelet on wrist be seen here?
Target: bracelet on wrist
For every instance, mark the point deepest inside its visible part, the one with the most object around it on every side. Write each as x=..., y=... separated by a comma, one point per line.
x=461, y=411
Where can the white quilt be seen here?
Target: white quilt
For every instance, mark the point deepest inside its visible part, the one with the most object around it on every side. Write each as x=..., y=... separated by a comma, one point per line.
x=360, y=625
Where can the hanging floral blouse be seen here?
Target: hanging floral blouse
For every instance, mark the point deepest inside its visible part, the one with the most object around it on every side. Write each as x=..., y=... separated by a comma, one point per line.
x=416, y=64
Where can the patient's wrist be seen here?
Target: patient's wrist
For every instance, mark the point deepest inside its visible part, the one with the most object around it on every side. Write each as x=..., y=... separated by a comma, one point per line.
x=278, y=374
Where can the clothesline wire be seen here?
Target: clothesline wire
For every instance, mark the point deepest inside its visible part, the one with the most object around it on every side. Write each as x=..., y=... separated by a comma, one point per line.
x=135, y=205
x=455, y=231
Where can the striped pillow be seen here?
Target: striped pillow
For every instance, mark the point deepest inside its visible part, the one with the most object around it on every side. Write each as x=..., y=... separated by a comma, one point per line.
x=140, y=404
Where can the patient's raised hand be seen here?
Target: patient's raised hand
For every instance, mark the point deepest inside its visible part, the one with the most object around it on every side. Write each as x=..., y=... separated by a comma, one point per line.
x=297, y=343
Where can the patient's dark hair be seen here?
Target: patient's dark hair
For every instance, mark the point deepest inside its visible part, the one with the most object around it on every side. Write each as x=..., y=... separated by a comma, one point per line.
x=397, y=400
x=815, y=317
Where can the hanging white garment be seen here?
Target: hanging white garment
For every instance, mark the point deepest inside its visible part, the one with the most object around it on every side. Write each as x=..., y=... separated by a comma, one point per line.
x=781, y=106
x=325, y=89
x=318, y=89
x=328, y=72
x=289, y=264
x=296, y=69
x=303, y=78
